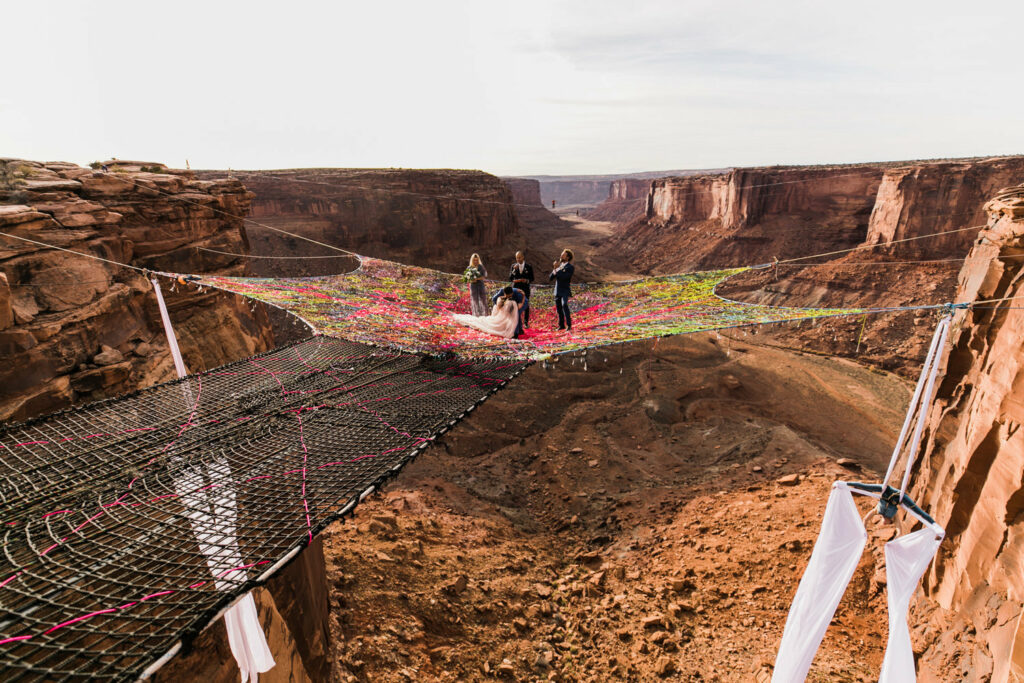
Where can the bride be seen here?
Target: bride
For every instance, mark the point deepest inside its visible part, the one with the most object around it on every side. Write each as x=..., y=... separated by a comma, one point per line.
x=502, y=321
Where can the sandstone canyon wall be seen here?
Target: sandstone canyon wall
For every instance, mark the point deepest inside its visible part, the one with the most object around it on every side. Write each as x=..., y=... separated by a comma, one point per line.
x=433, y=218
x=971, y=475
x=751, y=215
x=74, y=329
x=626, y=201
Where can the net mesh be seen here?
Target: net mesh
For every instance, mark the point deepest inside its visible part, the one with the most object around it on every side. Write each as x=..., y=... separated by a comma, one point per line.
x=128, y=525
x=411, y=308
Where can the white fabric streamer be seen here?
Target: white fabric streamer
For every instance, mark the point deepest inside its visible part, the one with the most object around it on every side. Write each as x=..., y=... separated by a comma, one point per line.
x=833, y=561
x=906, y=559
x=248, y=644
x=172, y=341
x=208, y=497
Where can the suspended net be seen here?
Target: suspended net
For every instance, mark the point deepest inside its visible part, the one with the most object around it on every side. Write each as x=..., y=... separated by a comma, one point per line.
x=129, y=525
x=411, y=308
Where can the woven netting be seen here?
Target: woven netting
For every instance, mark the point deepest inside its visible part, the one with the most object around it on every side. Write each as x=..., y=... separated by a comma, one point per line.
x=129, y=525
x=410, y=308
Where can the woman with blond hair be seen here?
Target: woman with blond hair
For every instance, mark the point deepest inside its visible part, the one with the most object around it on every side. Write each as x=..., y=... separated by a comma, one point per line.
x=475, y=275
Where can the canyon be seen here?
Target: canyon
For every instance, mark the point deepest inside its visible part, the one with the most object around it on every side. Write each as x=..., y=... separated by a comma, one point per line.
x=585, y=191
x=641, y=513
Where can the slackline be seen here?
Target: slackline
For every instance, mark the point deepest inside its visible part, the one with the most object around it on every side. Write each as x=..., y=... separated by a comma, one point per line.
x=128, y=525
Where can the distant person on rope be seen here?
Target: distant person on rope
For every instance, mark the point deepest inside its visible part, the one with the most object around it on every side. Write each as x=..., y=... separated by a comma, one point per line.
x=475, y=275
x=521, y=276
x=503, y=321
x=562, y=275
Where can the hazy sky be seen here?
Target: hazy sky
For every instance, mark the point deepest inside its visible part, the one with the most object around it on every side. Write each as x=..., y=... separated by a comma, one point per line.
x=511, y=87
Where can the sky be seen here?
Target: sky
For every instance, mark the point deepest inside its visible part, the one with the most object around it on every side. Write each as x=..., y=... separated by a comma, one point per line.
x=513, y=88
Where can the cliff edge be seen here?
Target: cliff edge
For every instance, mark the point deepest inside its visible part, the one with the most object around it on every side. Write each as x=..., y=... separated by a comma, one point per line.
x=971, y=476
x=76, y=329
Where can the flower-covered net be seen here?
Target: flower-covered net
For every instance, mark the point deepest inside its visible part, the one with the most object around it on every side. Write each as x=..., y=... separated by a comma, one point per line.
x=410, y=308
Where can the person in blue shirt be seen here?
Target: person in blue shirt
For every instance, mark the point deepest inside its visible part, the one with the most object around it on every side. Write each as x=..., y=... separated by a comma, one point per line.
x=562, y=275
x=516, y=295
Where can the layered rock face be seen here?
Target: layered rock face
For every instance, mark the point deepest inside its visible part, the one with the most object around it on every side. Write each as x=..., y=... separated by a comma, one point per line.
x=752, y=215
x=627, y=201
x=971, y=476
x=937, y=197
x=75, y=329
x=423, y=217
x=525, y=191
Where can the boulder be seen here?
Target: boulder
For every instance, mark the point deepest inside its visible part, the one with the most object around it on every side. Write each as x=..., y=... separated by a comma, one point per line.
x=107, y=356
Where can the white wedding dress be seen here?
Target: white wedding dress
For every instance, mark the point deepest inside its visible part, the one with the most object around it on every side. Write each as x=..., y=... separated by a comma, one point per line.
x=502, y=321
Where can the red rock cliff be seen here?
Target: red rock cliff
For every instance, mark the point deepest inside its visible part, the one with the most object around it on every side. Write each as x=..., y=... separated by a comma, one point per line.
x=627, y=201
x=525, y=191
x=971, y=476
x=934, y=198
x=75, y=329
x=748, y=216
x=434, y=218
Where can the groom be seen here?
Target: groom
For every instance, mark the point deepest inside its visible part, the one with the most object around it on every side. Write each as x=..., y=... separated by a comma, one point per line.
x=517, y=295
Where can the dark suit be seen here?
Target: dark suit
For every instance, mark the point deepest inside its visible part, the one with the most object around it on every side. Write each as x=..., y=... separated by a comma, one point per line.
x=527, y=275
x=524, y=306
x=562, y=277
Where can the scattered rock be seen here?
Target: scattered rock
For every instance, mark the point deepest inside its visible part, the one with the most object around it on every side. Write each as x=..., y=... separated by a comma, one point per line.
x=653, y=621
x=848, y=463
x=107, y=356
x=664, y=666
x=788, y=480
x=731, y=382
x=457, y=585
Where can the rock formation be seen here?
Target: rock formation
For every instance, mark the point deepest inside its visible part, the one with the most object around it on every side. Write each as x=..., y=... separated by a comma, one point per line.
x=76, y=329
x=751, y=215
x=431, y=218
x=626, y=202
x=971, y=475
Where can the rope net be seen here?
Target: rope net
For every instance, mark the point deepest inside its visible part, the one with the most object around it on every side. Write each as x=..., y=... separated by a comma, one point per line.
x=410, y=308
x=129, y=525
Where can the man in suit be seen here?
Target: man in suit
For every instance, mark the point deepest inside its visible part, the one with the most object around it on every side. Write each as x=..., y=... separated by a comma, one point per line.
x=511, y=292
x=521, y=276
x=562, y=275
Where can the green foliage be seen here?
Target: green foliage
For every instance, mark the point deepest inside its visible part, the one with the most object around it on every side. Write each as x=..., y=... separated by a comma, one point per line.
x=95, y=165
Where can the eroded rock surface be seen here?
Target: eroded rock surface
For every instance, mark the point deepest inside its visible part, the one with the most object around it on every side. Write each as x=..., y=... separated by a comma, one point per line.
x=972, y=473
x=424, y=217
x=75, y=329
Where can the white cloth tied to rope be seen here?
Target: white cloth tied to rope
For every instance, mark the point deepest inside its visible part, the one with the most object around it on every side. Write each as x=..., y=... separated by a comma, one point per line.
x=833, y=561
x=206, y=493
x=838, y=549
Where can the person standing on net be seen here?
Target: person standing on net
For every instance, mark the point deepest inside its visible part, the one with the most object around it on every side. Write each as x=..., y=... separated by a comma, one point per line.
x=521, y=276
x=562, y=275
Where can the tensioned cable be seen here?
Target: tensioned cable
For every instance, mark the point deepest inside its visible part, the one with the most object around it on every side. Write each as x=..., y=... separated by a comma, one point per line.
x=881, y=244
x=228, y=253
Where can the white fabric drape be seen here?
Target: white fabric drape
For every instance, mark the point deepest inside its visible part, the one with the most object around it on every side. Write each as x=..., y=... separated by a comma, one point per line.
x=833, y=561
x=208, y=496
x=906, y=559
x=502, y=321
x=248, y=644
